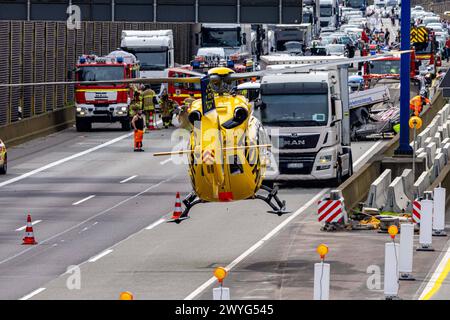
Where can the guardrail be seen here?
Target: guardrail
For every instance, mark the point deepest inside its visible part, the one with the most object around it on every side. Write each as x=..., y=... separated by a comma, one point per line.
x=356, y=188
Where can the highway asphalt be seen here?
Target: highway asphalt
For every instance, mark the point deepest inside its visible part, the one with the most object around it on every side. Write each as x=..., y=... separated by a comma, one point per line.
x=84, y=209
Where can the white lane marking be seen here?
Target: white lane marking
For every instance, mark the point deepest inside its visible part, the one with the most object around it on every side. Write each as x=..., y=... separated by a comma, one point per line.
x=165, y=161
x=83, y=200
x=367, y=153
x=436, y=274
x=101, y=255
x=155, y=224
x=258, y=244
x=61, y=161
x=32, y=294
x=32, y=223
x=128, y=179
x=85, y=221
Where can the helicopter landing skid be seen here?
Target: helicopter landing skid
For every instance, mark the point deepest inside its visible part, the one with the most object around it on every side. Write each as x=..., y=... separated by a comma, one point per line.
x=278, y=206
x=190, y=201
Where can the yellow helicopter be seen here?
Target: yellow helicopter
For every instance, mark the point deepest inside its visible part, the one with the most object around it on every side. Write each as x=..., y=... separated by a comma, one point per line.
x=229, y=149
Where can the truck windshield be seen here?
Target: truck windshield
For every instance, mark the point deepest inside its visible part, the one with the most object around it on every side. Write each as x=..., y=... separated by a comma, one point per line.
x=423, y=47
x=385, y=67
x=355, y=3
x=100, y=73
x=154, y=60
x=221, y=38
x=295, y=110
x=326, y=11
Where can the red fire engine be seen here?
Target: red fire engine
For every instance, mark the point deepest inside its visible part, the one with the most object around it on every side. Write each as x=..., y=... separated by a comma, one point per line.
x=425, y=55
x=180, y=91
x=105, y=103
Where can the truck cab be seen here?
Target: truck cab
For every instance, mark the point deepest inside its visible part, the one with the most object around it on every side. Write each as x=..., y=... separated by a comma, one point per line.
x=105, y=103
x=306, y=116
x=226, y=45
x=153, y=48
x=283, y=37
x=329, y=13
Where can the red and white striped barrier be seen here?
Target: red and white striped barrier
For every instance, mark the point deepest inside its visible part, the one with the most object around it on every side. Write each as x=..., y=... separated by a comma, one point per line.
x=330, y=210
x=417, y=211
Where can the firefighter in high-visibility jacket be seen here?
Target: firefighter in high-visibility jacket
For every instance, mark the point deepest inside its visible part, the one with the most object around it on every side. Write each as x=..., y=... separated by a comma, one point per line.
x=148, y=106
x=416, y=103
x=136, y=101
x=183, y=117
x=167, y=107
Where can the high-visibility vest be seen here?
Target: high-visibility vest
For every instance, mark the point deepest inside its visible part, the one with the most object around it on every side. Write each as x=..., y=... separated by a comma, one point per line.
x=147, y=99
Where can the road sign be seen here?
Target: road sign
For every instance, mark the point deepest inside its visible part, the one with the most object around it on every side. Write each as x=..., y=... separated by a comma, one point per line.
x=418, y=34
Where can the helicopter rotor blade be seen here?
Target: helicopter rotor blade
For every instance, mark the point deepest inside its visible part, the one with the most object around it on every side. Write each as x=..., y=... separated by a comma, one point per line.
x=180, y=152
x=105, y=82
x=306, y=67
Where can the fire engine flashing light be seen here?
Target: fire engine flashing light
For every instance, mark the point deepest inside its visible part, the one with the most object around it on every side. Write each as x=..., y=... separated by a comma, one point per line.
x=230, y=63
x=120, y=59
x=82, y=60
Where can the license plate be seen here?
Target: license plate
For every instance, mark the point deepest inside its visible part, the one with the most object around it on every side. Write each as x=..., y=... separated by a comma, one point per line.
x=295, y=165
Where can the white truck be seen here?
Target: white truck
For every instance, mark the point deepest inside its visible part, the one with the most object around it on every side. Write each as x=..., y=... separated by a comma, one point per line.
x=221, y=44
x=307, y=117
x=289, y=38
x=329, y=15
x=153, y=48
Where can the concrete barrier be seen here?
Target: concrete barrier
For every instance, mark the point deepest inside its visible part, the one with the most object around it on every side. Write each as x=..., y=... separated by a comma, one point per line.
x=377, y=196
x=421, y=137
x=427, y=141
x=408, y=182
x=442, y=130
x=397, y=200
x=421, y=184
x=446, y=150
x=437, y=139
x=419, y=151
x=355, y=188
x=38, y=126
x=423, y=156
x=445, y=141
x=438, y=165
x=431, y=152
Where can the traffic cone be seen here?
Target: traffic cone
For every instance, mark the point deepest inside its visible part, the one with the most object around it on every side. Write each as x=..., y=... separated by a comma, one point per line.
x=29, y=235
x=151, y=121
x=177, y=211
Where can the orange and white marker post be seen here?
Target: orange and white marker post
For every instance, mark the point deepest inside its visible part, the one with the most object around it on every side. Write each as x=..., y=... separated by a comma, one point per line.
x=391, y=256
x=322, y=275
x=406, y=251
x=29, y=234
x=439, y=212
x=221, y=293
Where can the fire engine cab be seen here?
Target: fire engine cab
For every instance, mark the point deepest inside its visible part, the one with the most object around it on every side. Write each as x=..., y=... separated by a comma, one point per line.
x=425, y=55
x=106, y=103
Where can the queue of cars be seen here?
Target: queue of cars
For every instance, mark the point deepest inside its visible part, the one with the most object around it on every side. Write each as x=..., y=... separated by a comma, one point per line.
x=432, y=22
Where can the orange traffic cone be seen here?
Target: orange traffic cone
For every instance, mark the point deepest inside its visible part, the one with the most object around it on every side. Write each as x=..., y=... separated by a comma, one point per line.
x=177, y=211
x=151, y=122
x=29, y=235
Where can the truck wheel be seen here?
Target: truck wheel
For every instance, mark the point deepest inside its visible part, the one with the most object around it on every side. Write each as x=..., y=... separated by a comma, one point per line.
x=4, y=167
x=83, y=125
x=338, y=180
x=126, y=125
x=350, y=167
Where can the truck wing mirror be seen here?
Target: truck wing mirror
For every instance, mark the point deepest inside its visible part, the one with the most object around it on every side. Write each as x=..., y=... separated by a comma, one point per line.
x=244, y=38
